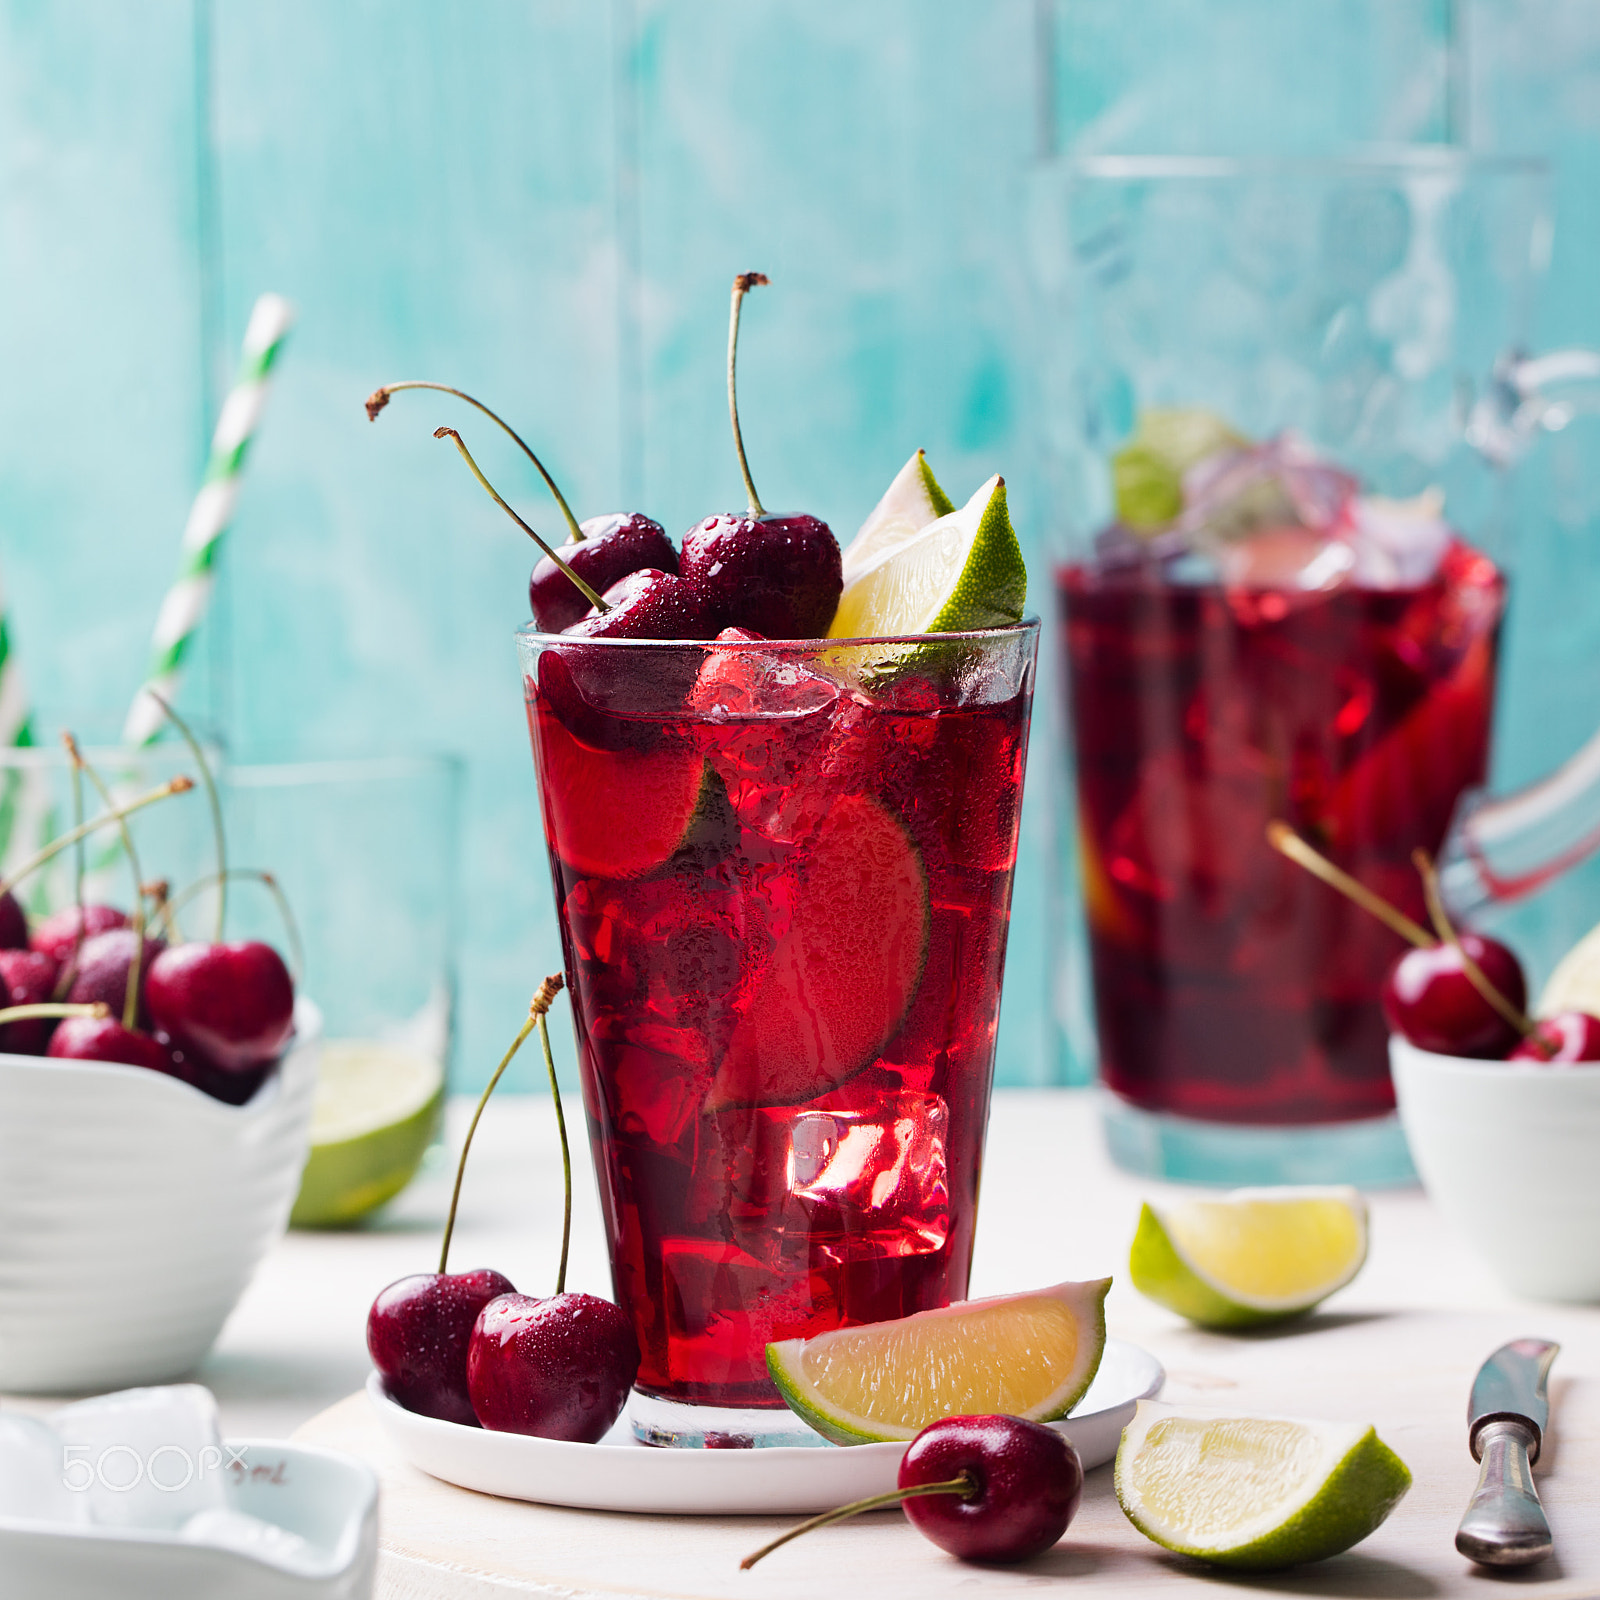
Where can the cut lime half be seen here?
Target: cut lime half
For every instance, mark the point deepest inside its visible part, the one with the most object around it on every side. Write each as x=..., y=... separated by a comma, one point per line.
x=376, y=1110
x=962, y=572
x=1254, y=1492
x=908, y=505
x=1575, y=984
x=1251, y=1257
x=1026, y=1355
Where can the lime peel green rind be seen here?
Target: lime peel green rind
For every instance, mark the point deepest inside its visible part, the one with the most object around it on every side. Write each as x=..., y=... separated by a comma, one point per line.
x=1085, y=1300
x=1351, y=1501
x=1159, y=1273
x=1163, y=1271
x=344, y=1181
x=942, y=504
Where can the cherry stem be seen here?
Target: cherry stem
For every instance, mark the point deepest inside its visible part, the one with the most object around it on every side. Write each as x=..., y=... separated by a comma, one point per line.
x=216, y=807
x=1288, y=843
x=548, y=990
x=472, y=1128
x=742, y=285
x=54, y=1008
x=578, y=583
x=177, y=785
x=379, y=398
x=966, y=1486
x=1476, y=976
x=297, y=954
x=130, y=998
x=69, y=968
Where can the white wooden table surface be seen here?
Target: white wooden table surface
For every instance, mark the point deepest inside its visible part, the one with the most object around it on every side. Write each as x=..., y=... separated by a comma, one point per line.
x=1398, y=1348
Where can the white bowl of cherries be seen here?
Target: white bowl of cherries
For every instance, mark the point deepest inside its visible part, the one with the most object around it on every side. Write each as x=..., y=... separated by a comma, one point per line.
x=151, y=1141
x=1501, y=1109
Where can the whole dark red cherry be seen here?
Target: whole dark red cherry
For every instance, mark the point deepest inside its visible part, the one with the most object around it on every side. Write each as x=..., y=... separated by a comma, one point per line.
x=105, y=1039
x=1429, y=998
x=13, y=923
x=647, y=604
x=103, y=962
x=559, y=1368
x=780, y=575
x=1558, y=1041
x=232, y=1003
x=27, y=978
x=1028, y=1483
x=417, y=1335
x=231, y=1088
x=56, y=934
x=612, y=546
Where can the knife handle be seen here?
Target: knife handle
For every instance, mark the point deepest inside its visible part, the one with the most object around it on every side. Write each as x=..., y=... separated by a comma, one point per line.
x=1505, y=1524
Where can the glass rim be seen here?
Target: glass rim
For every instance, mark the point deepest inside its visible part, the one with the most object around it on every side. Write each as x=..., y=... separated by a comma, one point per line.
x=528, y=634
x=1370, y=162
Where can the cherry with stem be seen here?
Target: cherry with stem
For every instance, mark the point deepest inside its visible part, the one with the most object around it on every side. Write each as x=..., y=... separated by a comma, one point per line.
x=1288, y=843
x=379, y=398
x=291, y=927
x=1512, y=1015
x=551, y=987
x=130, y=1001
x=494, y=494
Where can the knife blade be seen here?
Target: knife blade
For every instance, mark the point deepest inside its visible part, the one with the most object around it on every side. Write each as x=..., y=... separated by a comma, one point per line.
x=1507, y=1414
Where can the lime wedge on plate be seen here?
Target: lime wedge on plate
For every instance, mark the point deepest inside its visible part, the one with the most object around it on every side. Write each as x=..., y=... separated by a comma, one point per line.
x=961, y=572
x=1575, y=984
x=376, y=1109
x=1254, y=1492
x=1027, y=1355
x=908, y=505
x=1250, y=1257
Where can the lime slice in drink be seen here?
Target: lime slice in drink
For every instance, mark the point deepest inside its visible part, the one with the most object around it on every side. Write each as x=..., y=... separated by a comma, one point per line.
x=961, y=572
x=375, y=1112
x=1575, y=984
x=1250, y=1257
x=842, y=977
x=1026, y=1355
x=1254, y=1492
x=908, y=505
x=1147, y=472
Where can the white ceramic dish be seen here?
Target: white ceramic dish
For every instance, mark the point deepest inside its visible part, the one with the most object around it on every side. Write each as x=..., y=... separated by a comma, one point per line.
x=133, y=1211
x=619, y=1474
x=328, y=1499
x=1510, y=1153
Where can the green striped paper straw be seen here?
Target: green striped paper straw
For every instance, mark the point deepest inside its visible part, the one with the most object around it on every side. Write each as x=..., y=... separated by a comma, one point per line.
x=184, y=606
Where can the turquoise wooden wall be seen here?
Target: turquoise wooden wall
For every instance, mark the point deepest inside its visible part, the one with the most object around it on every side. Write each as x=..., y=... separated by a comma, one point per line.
x=543, y=202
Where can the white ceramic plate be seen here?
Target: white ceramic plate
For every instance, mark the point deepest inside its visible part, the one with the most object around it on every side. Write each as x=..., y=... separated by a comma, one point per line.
x=618, y=1474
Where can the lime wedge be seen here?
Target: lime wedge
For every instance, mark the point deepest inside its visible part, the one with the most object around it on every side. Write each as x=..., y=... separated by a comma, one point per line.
x=1254, y=1492
x=1027, y=1355
x=1575, y=984
x=374, y=1115
x=962, y=571
x=1250, y=1257
x=908, y=505
x=1147, y=473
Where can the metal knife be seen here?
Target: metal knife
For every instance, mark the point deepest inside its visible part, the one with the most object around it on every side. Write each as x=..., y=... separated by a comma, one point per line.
x=1506, y=1417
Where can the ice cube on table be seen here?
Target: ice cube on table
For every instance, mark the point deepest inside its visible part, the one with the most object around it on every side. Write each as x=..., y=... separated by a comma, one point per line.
x=32, y=1482
x=144, y=1458
x=251, y=1536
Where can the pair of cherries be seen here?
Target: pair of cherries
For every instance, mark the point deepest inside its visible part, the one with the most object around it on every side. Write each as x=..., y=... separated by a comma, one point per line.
x=1457, y=993
x=619, y=577
x=466, y=1347
x=215, y=1015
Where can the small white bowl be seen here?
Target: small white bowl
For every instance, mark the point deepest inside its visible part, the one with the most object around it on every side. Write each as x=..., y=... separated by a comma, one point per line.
x=328, y=1499
x=1510, y=1153
x=133, y=1211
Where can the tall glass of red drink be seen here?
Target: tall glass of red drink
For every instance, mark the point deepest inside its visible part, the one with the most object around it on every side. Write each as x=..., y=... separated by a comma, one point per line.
x=783, y=872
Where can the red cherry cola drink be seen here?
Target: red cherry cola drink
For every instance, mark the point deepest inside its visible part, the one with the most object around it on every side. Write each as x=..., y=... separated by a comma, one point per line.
x=783, y=874
x=1231, y=986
